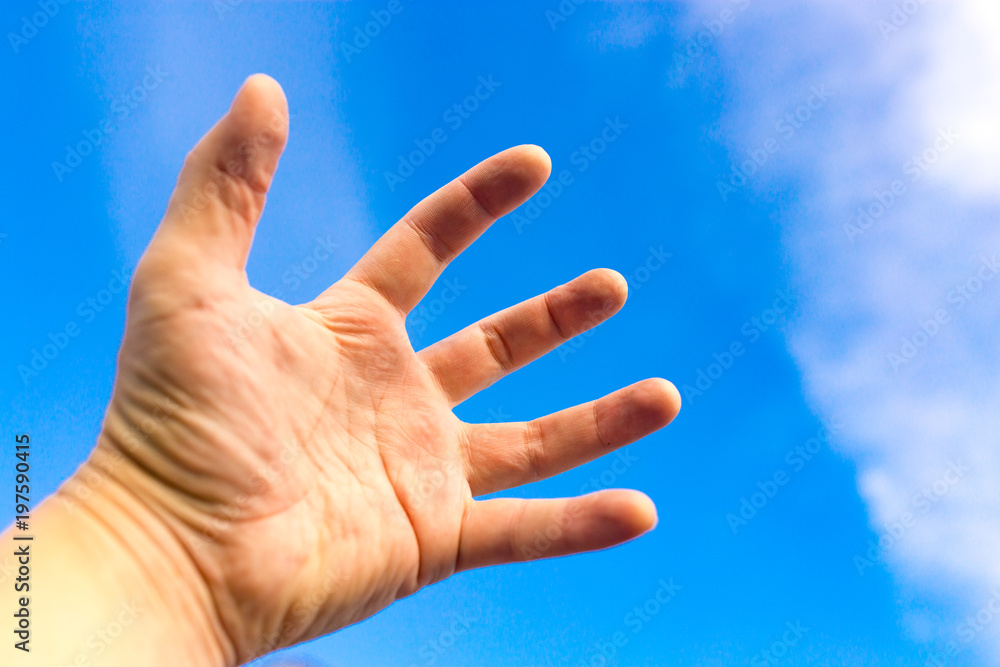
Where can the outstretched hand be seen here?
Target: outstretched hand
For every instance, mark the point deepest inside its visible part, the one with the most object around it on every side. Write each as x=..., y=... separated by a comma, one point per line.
x=302, y=463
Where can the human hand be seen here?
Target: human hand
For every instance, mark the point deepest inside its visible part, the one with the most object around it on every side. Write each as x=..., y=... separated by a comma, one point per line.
x=306, y=470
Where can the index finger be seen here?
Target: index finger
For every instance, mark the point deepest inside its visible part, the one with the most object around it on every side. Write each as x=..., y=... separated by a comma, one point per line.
x=405, y=262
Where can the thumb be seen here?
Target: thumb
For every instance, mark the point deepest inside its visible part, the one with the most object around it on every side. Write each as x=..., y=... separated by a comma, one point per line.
x=221, y=189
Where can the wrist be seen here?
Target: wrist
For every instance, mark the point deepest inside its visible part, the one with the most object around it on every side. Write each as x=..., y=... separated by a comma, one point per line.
x=111, y=583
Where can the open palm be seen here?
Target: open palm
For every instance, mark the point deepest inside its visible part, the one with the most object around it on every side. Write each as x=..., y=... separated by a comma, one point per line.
x=306, y=457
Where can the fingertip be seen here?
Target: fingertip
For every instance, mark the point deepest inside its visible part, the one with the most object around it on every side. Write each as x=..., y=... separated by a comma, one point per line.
x=613, y=284
x=532, y=162
x=539, y=157
x=637, y=410
x=506, y=180
x=595, y=296
x=626, y=514
x=264, y=88
x=640, y=516
x=660, y=400
x=260, y=106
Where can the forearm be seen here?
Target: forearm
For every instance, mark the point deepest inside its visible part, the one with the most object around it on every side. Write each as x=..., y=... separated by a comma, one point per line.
x=106, y=585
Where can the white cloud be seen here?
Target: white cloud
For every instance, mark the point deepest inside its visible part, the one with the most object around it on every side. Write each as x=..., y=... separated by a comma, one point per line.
x=902, y=72
x=871, y=296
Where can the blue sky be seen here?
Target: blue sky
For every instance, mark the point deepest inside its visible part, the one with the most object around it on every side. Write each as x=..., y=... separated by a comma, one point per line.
x=646, y=110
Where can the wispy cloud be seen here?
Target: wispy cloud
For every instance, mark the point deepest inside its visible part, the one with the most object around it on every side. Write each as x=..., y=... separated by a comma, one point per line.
x=318, y=171
x=897, y=337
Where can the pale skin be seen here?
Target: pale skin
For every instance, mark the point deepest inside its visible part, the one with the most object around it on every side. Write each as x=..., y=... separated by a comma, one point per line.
x=269, y=473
